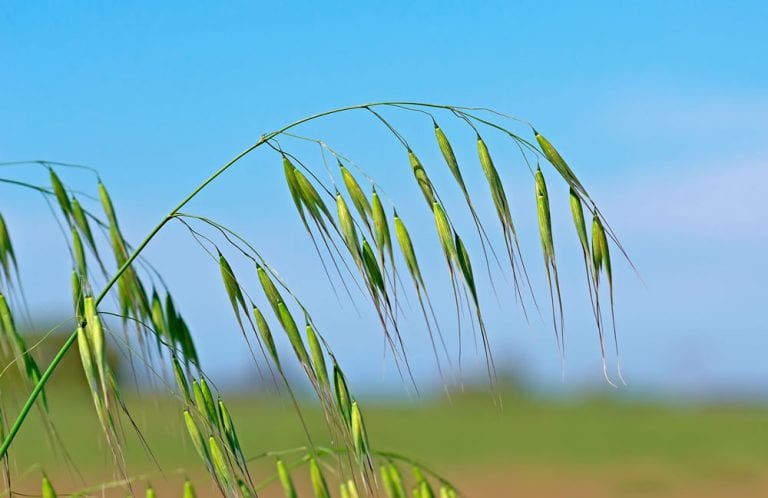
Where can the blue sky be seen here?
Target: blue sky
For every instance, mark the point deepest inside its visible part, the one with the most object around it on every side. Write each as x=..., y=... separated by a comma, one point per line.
x=659, y=106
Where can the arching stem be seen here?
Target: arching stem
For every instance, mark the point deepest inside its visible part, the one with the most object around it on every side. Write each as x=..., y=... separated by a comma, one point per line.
x=14, y=429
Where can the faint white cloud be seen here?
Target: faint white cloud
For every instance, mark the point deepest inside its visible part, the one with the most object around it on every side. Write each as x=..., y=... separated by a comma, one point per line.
x=665, y=112
x=720, y=201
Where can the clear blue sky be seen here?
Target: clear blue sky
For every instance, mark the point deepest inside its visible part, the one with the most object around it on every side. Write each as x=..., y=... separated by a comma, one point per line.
x=659, y=106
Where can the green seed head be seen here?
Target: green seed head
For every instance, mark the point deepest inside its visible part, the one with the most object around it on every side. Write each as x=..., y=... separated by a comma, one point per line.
x=318, y=359
x=578, y=220
x=209, y=406
x=195, y=436
x=232, y=287
x=319, y=485
x=545, y=221
x=359, y=436
x=81, y=221
x=343, y=401
x=266, y=334
x=181, y=379
x=220, y=462
x=598, y=244
x=189, y=490
x=292, y=331
x=293, y=186
x=421, y=178
x=356, y=194
x=285, y=480
x=398, y=488
x=61, y=194
x=348, y=231
x=449, y=156
x=158, y=317
x=78, y=293
x=273, y=295
x=95, y=333
x=106, y=204
x=380, y=225
x=372, y=267
x=7, y=256
x=465, y=265
x=48, y=491
x=228, y=426
x=444, y=232
x=406, y=247
x=310, y=197
x=557, y=161
x=79, y=253
x=494, y=182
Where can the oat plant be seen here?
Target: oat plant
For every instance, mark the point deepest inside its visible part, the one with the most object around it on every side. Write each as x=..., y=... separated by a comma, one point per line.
x=368, y=252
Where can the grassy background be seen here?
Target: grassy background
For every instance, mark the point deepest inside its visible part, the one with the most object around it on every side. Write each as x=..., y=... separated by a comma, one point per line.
x=632, y=447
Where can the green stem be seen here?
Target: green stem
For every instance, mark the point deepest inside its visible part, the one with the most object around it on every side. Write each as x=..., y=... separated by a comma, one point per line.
x=73, y=337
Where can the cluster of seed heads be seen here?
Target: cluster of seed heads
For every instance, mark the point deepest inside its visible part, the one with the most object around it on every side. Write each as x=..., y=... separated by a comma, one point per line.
x=351, y=225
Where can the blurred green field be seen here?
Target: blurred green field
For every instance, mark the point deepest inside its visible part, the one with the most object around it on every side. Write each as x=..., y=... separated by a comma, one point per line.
x=597, y=447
